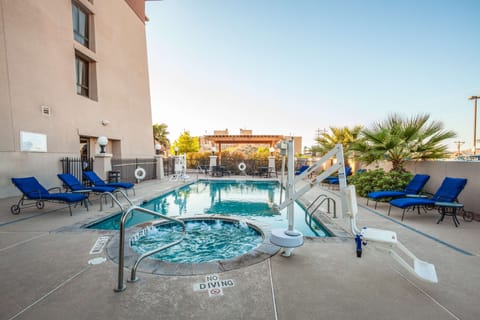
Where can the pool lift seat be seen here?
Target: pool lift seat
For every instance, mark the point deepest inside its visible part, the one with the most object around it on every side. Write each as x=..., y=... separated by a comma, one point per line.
x=385, y=240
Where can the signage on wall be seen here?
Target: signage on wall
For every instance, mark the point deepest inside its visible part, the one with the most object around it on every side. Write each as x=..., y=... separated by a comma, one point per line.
x=33, y=142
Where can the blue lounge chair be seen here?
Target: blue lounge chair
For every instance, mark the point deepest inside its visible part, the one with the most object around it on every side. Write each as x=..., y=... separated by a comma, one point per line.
x=72, y=183
x=302, y=169
x=98, y=182
x=413, y=188
x=445, y=198
x=32, y=190
x=335, y=180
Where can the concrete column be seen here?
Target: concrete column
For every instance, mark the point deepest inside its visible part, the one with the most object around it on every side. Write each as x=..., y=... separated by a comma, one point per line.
x=160, y=172
x=213, y=162
x=271, y=164
x=103, y=164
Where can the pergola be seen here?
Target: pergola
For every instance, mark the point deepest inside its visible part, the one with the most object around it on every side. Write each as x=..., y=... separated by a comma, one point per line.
x=271, y=140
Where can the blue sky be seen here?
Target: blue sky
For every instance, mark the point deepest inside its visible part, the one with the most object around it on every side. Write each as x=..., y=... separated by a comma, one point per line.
x=292, y=67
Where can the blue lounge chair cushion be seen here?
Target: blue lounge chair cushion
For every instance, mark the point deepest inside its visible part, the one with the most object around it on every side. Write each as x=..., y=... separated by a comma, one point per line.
x=386, y=194
x=448, y=192
x=98, y=182
x=414, y=187
x=75, y=185
x=410, y=202
x=335, y=179
x=33, y=190
x=302, y=169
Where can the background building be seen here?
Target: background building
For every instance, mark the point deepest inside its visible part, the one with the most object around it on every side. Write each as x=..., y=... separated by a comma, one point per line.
x=71, y=71
x=222, y=139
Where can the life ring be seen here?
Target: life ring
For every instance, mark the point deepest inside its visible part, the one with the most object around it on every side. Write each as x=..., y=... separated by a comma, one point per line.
x=242, y=166
x=140, y=173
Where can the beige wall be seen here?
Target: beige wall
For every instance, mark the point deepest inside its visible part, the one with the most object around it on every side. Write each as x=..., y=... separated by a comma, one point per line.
x=37, y=67
x=297, y=145
x=438, y=170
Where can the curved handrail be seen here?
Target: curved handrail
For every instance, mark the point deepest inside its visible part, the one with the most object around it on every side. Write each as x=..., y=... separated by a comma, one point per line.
x=115, y=199
x=329, y=200
x=147, y=254
x=121, y=248
x=309, y=213
x=316, y=199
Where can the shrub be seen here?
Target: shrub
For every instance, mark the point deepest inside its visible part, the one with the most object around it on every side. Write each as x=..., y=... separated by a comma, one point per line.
x=378, y=179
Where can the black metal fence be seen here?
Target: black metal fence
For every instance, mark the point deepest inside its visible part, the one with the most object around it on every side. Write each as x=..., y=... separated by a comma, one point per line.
x=124, y=169
x=252, y=167
x=76, y=166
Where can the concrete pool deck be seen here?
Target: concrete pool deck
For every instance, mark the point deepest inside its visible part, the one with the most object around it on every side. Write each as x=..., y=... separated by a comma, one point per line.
x=45, y=273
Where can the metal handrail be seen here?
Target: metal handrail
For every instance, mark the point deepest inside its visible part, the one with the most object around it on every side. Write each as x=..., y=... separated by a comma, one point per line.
x=328, y=199
x=115, y=199
x=309, y=213
x=133, y=277
x=121, y=251
x=313, y=202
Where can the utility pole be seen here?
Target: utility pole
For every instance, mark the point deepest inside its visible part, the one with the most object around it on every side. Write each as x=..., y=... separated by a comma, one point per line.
x=319, y=132
x=458, y=143
x=474, y=98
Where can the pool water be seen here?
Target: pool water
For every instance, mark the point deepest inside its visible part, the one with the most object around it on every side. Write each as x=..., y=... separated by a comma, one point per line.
x=252, y=200
x=206, y=240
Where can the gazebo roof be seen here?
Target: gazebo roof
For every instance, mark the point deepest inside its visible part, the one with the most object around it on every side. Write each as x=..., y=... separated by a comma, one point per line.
x=246, y=139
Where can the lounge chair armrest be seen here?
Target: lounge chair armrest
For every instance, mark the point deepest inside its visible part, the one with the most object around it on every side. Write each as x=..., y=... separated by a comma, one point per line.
x=449, y=204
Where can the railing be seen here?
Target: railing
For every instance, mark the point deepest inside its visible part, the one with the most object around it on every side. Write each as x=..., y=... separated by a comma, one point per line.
x=324, y=198
x=126, y=168
x=121, y=251
x=76, y=166
x=252, y=166
x=133, y=274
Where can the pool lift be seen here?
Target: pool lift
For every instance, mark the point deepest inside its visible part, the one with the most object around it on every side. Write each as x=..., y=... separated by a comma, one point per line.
x=180, y=168
x=384, y=240
x=291, y=238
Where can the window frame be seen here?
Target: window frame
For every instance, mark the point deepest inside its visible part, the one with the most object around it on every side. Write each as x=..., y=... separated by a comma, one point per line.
x=77, y=13
x=82, y=79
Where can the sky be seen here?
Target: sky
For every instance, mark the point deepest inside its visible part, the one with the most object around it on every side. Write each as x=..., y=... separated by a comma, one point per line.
x=297, y=67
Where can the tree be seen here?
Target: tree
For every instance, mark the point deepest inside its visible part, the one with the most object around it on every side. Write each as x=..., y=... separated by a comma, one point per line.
x=160, y=134
x=344, y=136
x=398, y=139
x=186, y=143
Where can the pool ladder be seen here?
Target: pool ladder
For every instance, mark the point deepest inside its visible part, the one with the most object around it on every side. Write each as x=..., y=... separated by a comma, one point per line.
x=126, y=212
x=323, y=198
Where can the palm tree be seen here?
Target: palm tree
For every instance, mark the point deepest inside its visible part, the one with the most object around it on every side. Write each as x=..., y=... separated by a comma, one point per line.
x=344, y=136
x=399, y=139
x=160, y=134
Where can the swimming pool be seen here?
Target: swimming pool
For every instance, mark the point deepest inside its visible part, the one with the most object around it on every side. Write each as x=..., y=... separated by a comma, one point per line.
x=253, y=200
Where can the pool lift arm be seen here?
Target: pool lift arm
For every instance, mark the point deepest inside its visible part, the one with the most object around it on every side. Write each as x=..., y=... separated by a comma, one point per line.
x=384, y=240
x=291, y=238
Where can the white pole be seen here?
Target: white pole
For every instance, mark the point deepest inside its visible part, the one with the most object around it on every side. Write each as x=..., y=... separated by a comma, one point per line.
x=290, y=189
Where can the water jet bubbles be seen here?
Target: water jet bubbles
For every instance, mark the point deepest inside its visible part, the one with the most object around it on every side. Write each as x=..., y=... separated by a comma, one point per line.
x=243, y=225
x=211, y=240
x=217, y=225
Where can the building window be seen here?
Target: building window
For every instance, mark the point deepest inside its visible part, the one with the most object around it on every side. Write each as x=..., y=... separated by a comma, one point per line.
x=80, y=25
x=81, y=69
